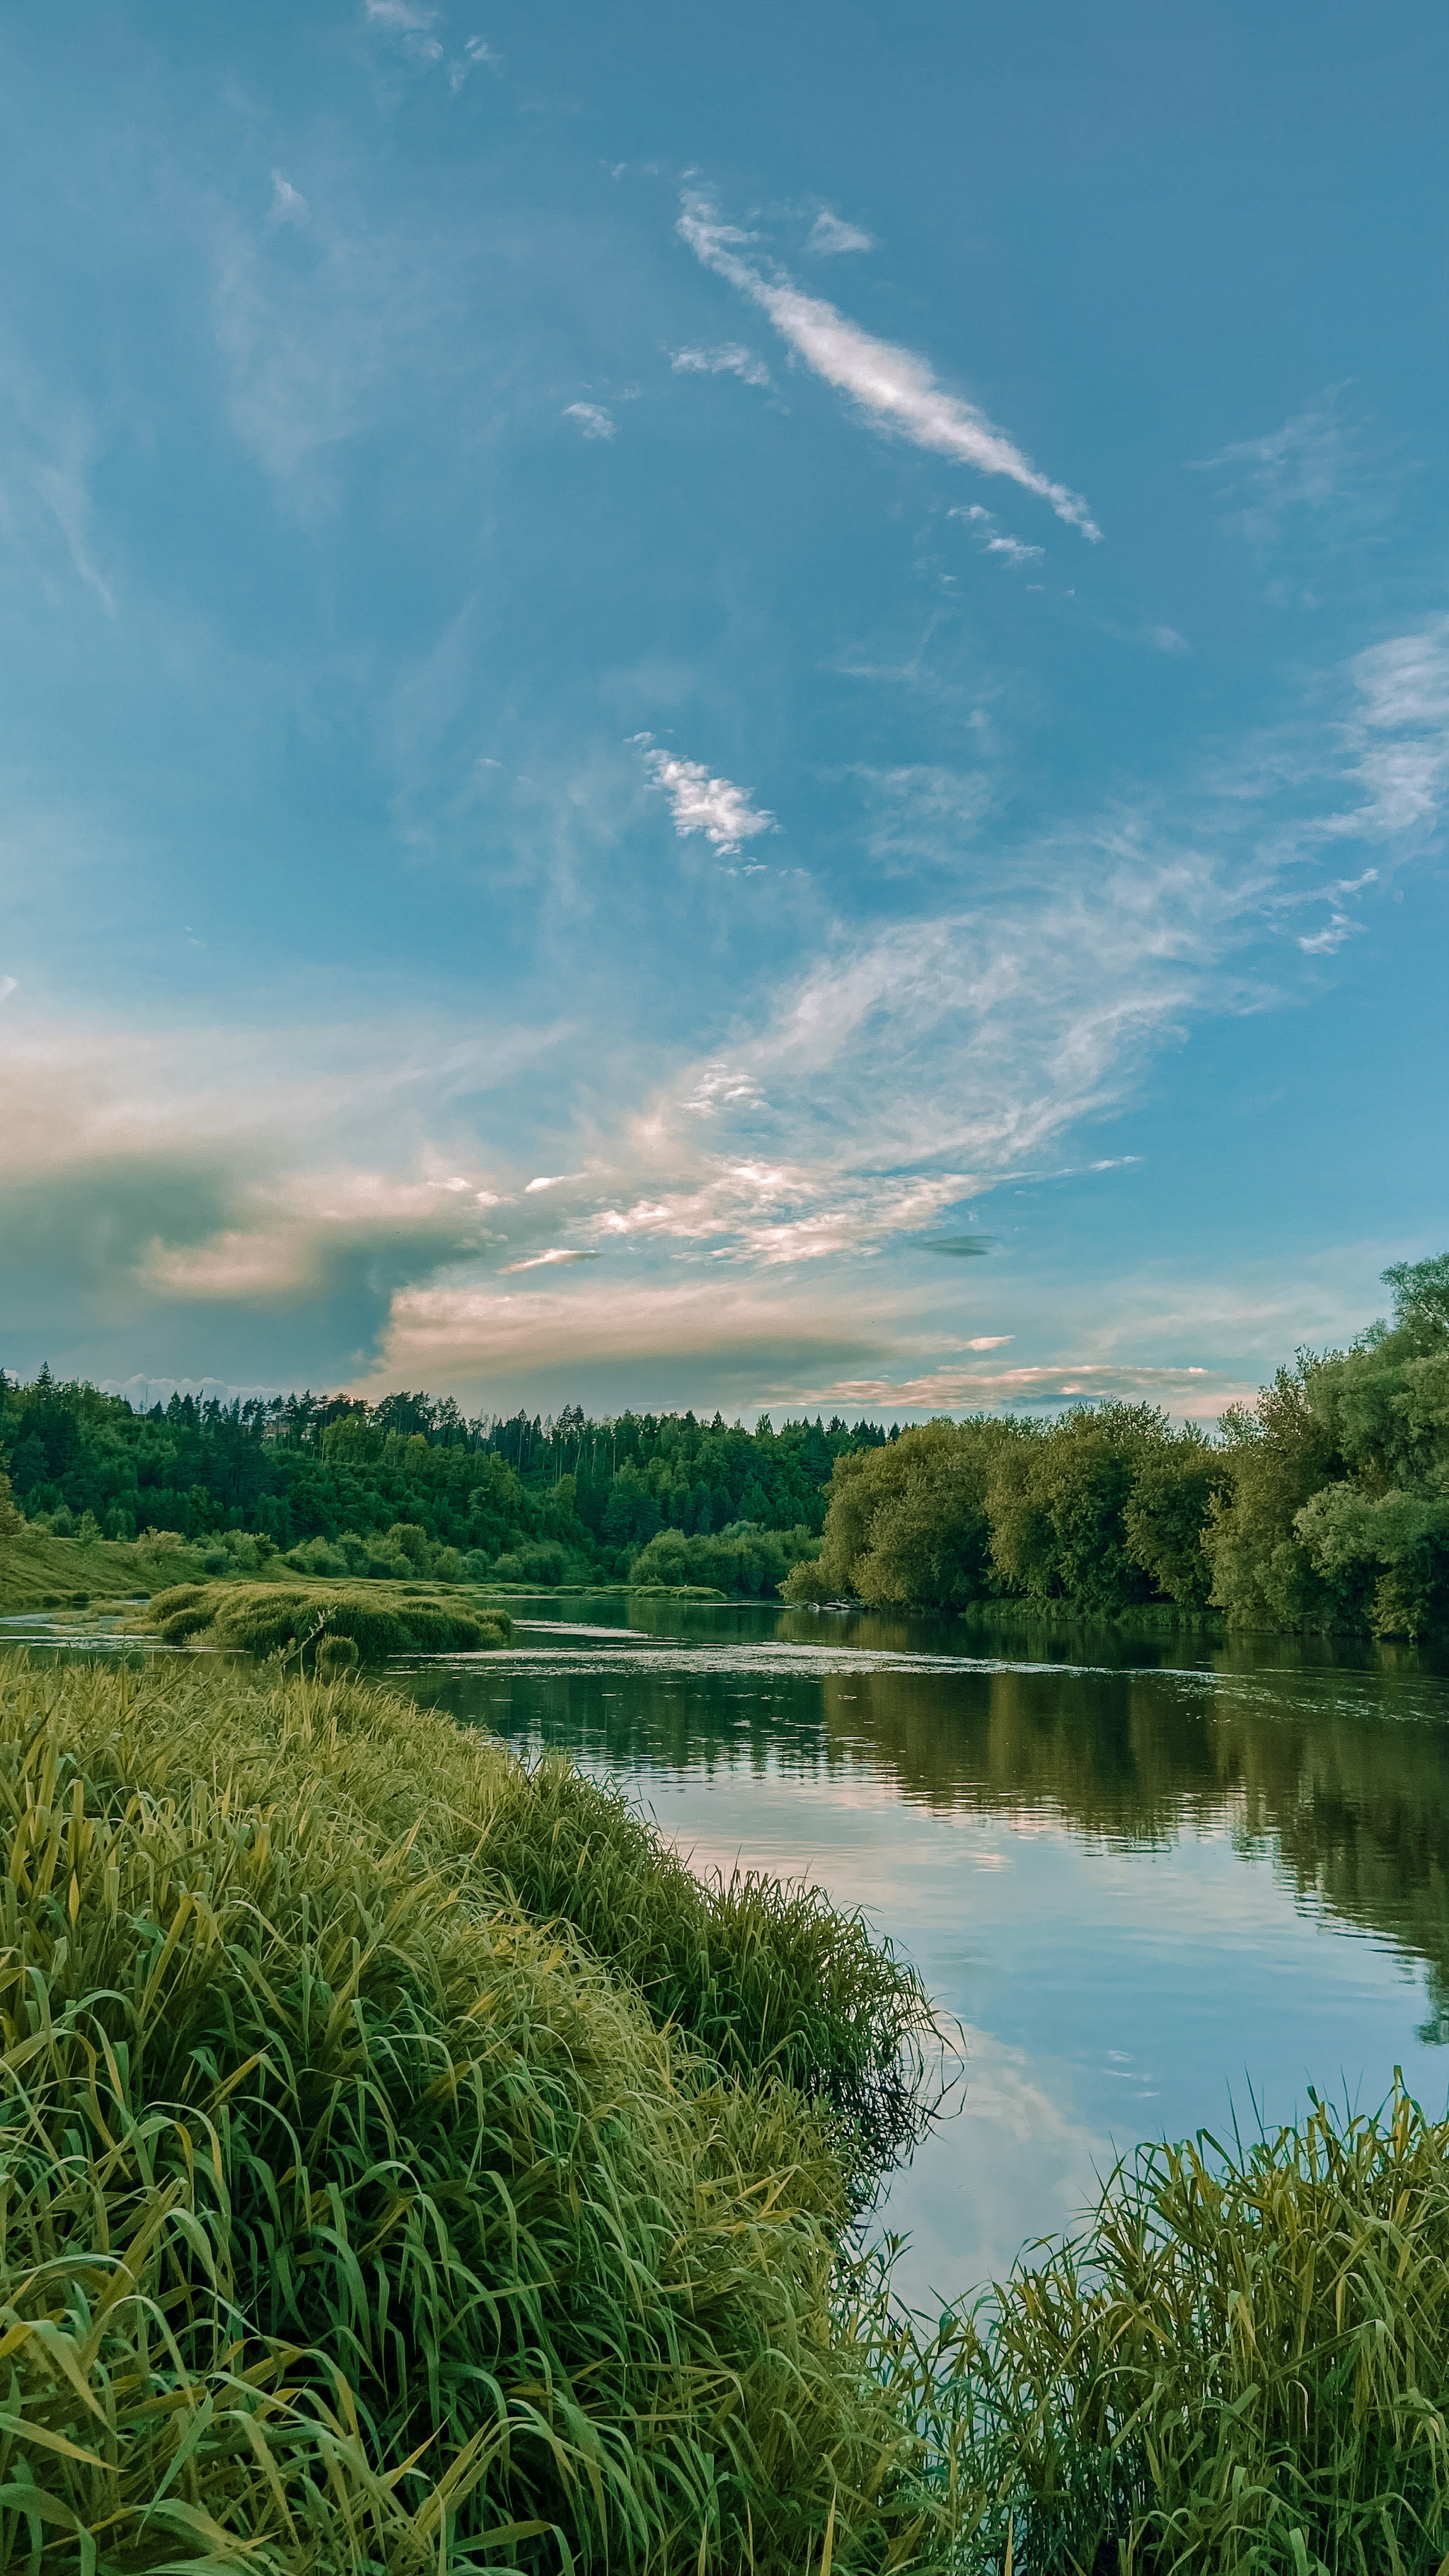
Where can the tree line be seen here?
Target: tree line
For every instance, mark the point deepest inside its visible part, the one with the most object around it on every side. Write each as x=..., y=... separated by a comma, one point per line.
x=1325, y=1505
x=410, y=1484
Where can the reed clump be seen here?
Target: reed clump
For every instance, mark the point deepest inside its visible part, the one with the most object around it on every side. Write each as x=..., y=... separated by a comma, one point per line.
x=353, y=2216
x=1242, y=2365
x=377, y=1619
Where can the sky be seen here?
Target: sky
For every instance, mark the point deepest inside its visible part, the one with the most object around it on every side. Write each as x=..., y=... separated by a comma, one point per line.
x=720, y=707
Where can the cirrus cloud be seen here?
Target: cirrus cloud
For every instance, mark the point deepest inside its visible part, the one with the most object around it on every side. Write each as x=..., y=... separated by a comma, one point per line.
x=893, y=386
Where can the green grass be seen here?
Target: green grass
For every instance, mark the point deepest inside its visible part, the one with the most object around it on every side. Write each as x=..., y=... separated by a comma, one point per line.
x=320, y=1618
x=38, y=1572
x=1242, y=2366
x=405, y=2164
x=356, y=2216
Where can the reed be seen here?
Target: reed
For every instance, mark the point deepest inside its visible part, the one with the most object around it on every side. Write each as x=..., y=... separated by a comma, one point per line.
x=1243, y=2365
x=353, y=2216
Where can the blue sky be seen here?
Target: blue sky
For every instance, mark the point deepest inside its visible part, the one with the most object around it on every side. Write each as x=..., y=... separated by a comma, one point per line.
x=741, y=708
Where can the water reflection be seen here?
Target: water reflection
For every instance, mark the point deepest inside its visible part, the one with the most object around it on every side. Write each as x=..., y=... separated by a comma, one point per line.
x=1138, y=1886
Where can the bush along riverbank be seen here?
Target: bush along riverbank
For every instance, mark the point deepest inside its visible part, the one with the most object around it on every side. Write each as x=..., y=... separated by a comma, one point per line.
x=1323, y=1507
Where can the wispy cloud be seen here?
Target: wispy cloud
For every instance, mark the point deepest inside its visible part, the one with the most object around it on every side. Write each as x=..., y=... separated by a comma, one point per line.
x=731, y=359
x=289, y=206
x=411, y=25
x=1323, y=942
x=1305, y=465
x=477, y=55
x=594, y=419
x=701, y=803
x=830, y=236
x=1198, y=1393
x=1400, y=735
x=556, y=1255
x=893, y=387
x=983, y=527
x=49, y=448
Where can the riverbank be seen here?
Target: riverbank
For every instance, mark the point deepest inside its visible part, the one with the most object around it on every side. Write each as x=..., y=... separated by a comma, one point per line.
x=559, y=2270
x=513, y=2196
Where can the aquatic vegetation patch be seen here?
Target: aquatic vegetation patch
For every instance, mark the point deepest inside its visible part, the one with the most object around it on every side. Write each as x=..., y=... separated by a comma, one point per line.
x=376, y=1619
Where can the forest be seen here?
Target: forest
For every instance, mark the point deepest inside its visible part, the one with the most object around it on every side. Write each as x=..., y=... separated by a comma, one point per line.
x=1323, y=1506
x=410, y=1485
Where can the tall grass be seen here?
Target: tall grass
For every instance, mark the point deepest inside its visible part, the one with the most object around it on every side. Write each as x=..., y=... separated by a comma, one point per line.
x=270, y=1618
x=350, y=2216
x=1243, y=2365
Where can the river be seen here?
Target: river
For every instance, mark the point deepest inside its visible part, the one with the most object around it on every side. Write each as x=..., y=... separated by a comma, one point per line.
x=1157, y=1887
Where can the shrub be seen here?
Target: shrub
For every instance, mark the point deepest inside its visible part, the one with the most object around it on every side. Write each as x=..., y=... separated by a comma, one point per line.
x=544, y=1563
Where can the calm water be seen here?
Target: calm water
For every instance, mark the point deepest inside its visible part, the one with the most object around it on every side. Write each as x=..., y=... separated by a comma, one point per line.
x=1151, y=1891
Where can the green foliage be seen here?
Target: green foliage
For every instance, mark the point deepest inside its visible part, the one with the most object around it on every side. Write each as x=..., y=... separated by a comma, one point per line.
x=1101, y=1511
x=274, y=1618
x=1325, y=1505
x=740, y=1559
x=1241, y=2366
x=355, y=2218
x=344, y=1488
x=1337, y=1511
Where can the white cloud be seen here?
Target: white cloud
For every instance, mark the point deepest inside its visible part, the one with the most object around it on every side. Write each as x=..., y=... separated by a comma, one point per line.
x=1324, y=942
x=547, y=1260
x=8, y=984
x=1167, y=640
x=1009, y=549
x=1400, y=733
x=446, y=1335
x=732, y=359
x=892, y=385
x=700, y=803
x=403, y=17
x=830, y=236
x=289, y=206
x=593, y=419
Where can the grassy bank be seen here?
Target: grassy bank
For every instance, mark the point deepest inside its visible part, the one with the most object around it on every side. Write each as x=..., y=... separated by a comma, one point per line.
x=368, y=2206
x=38, y=1572
x=408, y=2164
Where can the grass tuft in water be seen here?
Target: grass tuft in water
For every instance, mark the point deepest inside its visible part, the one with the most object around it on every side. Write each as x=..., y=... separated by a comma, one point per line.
x=376, y=1619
